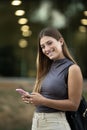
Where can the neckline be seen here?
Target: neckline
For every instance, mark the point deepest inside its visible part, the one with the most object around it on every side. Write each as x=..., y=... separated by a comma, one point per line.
x=59, y=60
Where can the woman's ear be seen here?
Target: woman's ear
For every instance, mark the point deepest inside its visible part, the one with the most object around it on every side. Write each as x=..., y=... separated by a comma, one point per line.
x=61, y=41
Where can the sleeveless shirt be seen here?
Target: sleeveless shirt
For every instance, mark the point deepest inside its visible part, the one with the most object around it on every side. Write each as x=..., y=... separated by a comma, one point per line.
x=54, y=85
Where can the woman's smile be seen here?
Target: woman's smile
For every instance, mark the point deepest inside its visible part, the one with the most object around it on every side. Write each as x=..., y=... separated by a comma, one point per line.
x=51, y=47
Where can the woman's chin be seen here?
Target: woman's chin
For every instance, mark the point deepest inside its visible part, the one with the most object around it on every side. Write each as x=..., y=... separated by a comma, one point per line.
x=51, y=58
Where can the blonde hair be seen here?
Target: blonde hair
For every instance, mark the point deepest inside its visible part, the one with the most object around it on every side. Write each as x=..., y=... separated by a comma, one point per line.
x=43, y=62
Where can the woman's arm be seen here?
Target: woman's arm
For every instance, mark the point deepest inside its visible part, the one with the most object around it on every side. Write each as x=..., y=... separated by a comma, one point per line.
x=75, y=84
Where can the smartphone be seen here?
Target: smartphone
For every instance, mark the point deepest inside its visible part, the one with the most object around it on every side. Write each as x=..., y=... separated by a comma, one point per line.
x=21, y=91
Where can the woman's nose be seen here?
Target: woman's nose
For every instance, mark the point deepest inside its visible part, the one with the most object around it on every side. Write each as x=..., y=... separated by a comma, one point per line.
x=47, y=48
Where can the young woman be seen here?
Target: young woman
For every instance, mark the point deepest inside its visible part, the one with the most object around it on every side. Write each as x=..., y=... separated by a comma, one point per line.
x=59, y=82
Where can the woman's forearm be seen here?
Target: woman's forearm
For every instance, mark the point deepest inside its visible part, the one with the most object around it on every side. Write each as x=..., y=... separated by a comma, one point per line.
x=63, y=105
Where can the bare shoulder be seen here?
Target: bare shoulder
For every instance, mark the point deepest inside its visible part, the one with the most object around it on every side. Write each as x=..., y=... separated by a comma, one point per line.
x=75, y=69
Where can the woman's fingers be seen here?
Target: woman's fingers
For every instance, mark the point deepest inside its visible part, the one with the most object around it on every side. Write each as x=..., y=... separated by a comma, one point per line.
x=27, y=102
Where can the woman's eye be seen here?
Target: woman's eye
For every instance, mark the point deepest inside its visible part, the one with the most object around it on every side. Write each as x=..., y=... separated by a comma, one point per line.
x=49, y=43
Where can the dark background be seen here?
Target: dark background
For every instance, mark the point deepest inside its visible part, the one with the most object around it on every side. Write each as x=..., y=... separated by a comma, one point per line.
x=21, y=62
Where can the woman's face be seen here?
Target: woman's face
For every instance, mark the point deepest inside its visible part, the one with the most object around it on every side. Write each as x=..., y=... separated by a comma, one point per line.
x=51, y=47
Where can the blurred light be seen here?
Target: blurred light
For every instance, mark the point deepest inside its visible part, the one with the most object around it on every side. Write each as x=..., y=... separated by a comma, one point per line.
x=24, y=28
x=47, y=15
x=82, y=29
x=42, y=13
x=26, y=33
x=84, y=21
x=22, y=21
x=16, y=2
x=73, y=8
x=85, y=13
x=19, y=12
x=23, y=43
x=58, y=19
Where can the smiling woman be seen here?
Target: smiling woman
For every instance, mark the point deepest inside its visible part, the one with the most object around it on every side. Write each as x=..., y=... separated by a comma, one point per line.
x=59, y=83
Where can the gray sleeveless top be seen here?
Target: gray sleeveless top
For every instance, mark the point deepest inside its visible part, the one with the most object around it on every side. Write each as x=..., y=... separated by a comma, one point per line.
x=54, y=85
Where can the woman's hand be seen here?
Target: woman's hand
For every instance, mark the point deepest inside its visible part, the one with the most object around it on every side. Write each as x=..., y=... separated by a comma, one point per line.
x=36, y=98
x=33, y=98
x=25, y=98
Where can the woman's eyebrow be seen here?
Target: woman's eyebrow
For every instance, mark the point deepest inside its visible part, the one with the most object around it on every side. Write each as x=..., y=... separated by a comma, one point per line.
x=46, y=42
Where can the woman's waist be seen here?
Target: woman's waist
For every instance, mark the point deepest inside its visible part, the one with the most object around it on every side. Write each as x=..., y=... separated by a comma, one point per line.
x=45, y=109
x=53, y=115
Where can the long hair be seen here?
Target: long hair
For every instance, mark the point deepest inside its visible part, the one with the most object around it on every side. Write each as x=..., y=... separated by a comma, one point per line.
x=43, y=62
